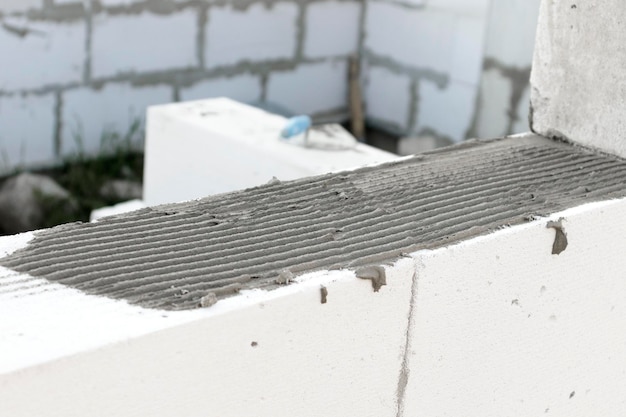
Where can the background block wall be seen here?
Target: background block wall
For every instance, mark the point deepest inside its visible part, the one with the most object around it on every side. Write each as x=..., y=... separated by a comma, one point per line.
x=437, y=68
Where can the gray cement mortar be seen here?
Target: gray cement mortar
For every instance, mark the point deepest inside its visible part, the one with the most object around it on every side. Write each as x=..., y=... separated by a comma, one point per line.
x=174, y=256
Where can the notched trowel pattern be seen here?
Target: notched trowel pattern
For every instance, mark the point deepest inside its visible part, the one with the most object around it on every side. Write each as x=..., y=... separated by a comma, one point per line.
x=188, y=255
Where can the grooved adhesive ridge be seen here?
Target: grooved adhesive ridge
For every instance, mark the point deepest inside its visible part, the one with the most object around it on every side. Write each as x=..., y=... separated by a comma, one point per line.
x=178, y=256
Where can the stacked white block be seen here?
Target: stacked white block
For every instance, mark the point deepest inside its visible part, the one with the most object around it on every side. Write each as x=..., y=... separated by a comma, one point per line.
x=48, y=53
x=332, y=29
x=270, y=34
x=295, y=90
x=174, y=36
x=442, y=66
x=205, y=147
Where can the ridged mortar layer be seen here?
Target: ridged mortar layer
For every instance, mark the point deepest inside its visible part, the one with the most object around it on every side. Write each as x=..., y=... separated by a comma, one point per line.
x=172, y=256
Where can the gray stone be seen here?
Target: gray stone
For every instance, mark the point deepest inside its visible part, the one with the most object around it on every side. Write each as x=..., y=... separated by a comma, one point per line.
x=25, y=200
x=122, y=189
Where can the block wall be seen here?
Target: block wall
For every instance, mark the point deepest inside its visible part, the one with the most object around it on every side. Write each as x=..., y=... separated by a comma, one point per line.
x=425, y=58
x=504, y=95
x=75, y=71
x=447, y=70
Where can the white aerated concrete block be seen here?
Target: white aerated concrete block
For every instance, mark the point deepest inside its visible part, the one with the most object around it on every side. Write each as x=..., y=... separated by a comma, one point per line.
x=40, y=53
x=90, y=114
x=255, y=33
x=108, y=3
x=419, y=38
x=467, y=56
x=501, y=326
x=388, y=97
x=511, y=31
x=310, y=88
x=448, y=111
x=219, y=145
x=26, y=131
x=495, y=98
x=260, y=353
x=410, y=3
x=243, y=88
x=112, y=3
x=332, y=28
x=426, y=39
x=145, y=42
x=9, y=6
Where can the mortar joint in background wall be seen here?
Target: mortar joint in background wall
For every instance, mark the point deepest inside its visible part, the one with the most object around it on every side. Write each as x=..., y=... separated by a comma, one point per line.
x=152, y=78
x=182, y=77
x=58, y=124
x=413, y=105
x=362, y=30
x=518, y=77
x=259, y=67
x=60, y=13
x=402, y=4
x=175, y=94
x=264, y=80
x=243, y=5
x=471, y=130
x=88, y=43
x=203, y=19
x=159, y=7
x=300, y=31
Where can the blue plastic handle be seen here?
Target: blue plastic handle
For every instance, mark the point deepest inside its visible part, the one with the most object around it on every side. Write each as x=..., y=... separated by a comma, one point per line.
x=295, y=126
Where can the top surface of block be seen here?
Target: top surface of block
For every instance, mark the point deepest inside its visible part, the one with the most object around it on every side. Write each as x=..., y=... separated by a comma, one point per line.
x=171, y=256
